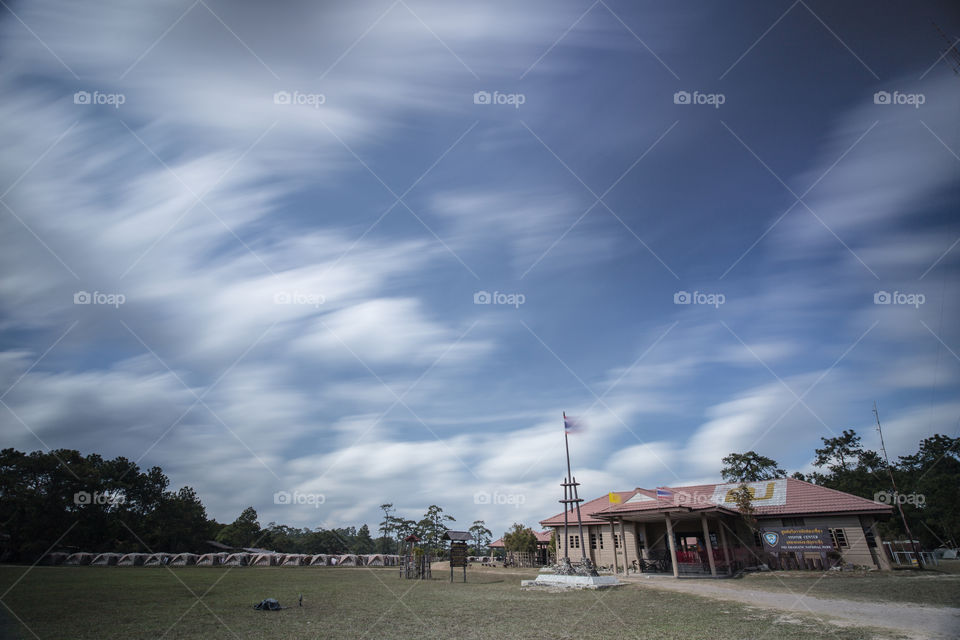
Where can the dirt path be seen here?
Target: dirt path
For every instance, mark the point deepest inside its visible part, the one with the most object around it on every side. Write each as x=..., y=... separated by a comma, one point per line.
x=915, y=621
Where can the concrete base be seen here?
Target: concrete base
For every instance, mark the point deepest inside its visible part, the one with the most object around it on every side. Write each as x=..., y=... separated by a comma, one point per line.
x=571, y=582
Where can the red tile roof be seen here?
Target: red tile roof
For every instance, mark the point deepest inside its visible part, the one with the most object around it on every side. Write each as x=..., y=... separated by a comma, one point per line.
x=543, y=536
x=792, y=497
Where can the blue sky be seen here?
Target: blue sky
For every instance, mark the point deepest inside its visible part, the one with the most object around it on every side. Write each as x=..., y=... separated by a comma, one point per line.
x=299, y=205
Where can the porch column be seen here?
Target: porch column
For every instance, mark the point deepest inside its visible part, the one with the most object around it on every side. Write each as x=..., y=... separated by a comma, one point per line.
x=673, y=545
x=623, y=545
x=613, y=537
x=726, y=550
x=881, y=549
x=646, y=544
x=706, y=543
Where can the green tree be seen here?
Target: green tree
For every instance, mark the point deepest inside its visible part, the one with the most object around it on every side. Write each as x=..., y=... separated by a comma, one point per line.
x=520, y=538
x=750, y=467
x=242, y=532
x=433, y=525
x=362, y=542
x=481, y=536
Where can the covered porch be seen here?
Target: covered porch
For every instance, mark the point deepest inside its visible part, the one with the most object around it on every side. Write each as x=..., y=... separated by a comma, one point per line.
x=682, y=540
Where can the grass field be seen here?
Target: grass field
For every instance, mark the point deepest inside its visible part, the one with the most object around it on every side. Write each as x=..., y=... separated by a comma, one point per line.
x=939, y=587
x=115, y=602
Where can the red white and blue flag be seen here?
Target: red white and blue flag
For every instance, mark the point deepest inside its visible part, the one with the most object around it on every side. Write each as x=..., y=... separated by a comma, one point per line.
x=571, y=425
x=663, y=492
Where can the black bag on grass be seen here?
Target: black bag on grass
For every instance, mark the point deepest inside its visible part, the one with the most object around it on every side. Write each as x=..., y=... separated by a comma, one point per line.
x=268, y=605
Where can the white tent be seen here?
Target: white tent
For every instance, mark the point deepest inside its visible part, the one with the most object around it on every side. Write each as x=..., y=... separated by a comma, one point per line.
x=209, y=560
x=157, y=559
x=319, y=560
x=106, y=560
x=132, y=560
x=348, y=560
x=295, y=560
x=79, y=559
x=184, y=560
x=237, y=560
x=374, y=560
x=265, y=560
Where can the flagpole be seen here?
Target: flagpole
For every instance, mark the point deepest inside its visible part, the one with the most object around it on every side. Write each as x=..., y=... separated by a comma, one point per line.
x=573, y=489
x=566, y=488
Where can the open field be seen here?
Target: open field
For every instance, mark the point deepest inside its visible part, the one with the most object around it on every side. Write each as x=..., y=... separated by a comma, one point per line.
x=119, y=602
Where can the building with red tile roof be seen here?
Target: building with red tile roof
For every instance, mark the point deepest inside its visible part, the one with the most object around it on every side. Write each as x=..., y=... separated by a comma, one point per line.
x=805, y=525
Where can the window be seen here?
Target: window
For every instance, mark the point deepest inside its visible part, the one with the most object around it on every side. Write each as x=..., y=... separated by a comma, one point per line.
x=792, y=522
x=574, y=542
x=600, y=539
x=616, y=541
x=756, y=539
x=593, y=541
x=839, y=539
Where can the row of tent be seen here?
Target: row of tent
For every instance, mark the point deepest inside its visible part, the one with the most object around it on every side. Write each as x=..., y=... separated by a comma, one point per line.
x=222, y=559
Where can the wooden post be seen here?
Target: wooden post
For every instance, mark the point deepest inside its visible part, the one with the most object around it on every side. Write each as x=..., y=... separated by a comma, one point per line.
x=706, y=543
x=623, y=545
x=881, y=549
x=673, y=545
x=613, y=541
x=646, y=544
x=726, y=550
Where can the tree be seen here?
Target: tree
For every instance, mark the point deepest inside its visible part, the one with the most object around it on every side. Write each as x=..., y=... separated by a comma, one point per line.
x=750, y=467
x=481, y=536
x=242, y=532
x=433, y=525
x=520, y=538
x=839, y=454
x=362, y=542
x=744, y=501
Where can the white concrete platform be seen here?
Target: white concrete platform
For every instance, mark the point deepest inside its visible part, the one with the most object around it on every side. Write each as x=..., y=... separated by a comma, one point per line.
x=571, y=582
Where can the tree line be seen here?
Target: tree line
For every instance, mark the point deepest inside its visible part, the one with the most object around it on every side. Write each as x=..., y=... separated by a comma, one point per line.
x=927, y=482
x=63, y=500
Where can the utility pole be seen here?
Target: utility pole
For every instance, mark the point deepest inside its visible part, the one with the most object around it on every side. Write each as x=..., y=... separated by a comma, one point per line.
x=896, y=494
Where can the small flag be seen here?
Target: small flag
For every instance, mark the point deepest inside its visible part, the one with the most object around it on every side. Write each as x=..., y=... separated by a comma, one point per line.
x=663, y=492
x=614, y=498
x=571, y=425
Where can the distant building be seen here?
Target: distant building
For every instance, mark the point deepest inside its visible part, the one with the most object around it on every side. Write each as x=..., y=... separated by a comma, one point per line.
x=634, y=528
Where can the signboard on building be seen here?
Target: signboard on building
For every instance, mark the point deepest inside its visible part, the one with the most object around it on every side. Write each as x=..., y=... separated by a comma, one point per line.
x=766, y=493
x=801, y=539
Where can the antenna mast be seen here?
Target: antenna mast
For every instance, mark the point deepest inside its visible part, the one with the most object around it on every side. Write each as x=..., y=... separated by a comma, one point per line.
x=896, y=494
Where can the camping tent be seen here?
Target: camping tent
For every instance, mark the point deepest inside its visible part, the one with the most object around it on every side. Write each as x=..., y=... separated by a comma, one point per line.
x=132, y=560
x=374, y=560
x=55, y=558
x=157, y=560
x=294, y=560
x=348, y=560
x=237, y=560
x=106, y=560
x=81, y=558
x=209, y=560
x=319, y=560
x=265, y=560
x=184, y=560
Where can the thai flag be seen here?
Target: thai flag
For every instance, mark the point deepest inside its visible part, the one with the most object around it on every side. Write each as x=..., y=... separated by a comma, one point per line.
x=570, y=425
x=664, y=493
